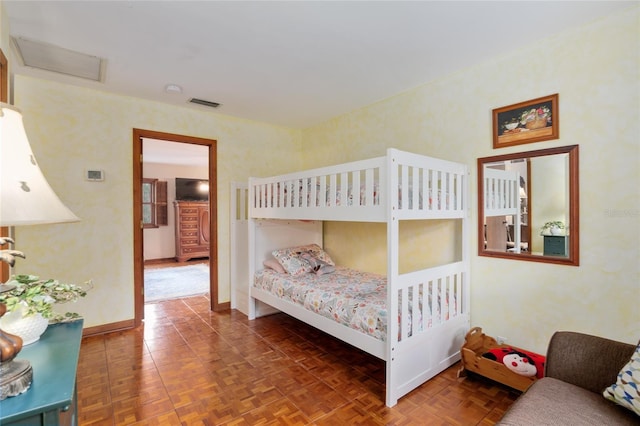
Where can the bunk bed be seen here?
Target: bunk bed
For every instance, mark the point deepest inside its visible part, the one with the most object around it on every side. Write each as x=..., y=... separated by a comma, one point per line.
x=424, y=315
x=501, y=189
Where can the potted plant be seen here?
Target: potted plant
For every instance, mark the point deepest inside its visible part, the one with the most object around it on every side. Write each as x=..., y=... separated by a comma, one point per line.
x=555, y=227
x=29, y=301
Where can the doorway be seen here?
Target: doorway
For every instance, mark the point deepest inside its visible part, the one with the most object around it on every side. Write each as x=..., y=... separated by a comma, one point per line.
x=138, y=239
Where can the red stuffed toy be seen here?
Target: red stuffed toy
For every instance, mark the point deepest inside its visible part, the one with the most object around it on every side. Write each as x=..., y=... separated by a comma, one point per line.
x=520, y=362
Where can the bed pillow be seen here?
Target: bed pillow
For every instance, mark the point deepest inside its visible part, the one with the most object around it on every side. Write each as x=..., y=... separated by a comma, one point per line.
x=626, y=390
x=293, y=264
x=272, y=263
x=318, y=266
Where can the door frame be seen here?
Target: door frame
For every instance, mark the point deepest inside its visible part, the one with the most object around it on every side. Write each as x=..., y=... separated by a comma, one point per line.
x=138, y=237
x=5, y=273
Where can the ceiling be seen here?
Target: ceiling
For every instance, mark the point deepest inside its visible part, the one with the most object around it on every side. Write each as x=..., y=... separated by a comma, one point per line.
x=294, y=64
x=166, y=152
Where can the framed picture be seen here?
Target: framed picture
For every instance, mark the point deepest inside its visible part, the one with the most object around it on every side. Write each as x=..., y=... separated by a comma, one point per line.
x=531, y=121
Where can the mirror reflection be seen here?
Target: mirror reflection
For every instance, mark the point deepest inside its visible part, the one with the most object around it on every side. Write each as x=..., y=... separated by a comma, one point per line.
x=528, y=207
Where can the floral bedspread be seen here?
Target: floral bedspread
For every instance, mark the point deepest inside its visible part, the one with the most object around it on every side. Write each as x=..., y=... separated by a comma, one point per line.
x=356, y=299
x=353, y=298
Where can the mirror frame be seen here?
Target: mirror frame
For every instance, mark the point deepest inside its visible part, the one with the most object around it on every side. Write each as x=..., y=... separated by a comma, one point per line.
x=573, y=259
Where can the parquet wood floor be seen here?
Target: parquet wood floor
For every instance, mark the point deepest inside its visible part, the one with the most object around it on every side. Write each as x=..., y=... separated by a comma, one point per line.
x=188, y=366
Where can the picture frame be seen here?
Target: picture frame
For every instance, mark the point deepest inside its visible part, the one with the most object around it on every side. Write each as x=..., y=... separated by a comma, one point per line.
x=535, y=120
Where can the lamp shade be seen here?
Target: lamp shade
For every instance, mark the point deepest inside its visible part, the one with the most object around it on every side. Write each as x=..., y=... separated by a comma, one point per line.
x=26, y=198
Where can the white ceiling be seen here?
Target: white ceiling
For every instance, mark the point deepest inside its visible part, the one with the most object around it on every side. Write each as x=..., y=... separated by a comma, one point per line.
x=295, y=63
x=165, y=152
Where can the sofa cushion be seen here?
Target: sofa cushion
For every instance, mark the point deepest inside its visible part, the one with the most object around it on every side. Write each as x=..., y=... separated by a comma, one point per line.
x=551, y=401
x=626, y=390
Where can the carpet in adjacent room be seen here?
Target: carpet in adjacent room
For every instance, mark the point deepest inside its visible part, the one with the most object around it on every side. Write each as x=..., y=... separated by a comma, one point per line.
x=172, y=283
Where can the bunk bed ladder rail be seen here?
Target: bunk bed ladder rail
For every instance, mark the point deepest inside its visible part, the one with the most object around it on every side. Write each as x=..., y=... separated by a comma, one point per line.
x=430, y=304
x=322, y=193
x=501, y=192
x=436, y=190
x=429, y=298
x=239, y=243
x=418, y=349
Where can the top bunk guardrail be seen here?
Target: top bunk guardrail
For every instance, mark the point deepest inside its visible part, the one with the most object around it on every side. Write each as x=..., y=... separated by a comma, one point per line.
x=425, y=188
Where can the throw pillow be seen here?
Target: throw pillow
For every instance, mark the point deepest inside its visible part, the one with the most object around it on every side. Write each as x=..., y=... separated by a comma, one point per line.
x=293, y=264
x=318, y=266
x=626, y=390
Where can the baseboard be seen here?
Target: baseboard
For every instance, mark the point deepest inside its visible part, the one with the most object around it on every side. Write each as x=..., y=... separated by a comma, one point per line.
x=129, y=324
x=225, y=306
x=161, y=260
x=108, y=328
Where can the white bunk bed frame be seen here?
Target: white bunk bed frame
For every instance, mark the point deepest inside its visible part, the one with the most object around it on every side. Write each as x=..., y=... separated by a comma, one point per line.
x=502, y=198
x=415, y=352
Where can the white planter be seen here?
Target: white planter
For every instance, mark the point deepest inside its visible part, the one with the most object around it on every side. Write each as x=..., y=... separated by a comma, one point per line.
x=29, y=328
x=556, y=231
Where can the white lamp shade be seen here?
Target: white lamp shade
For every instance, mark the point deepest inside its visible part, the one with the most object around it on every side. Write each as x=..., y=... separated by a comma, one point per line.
x=25, y=195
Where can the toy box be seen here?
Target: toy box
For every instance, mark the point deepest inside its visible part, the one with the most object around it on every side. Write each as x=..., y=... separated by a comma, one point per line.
x=477, y=350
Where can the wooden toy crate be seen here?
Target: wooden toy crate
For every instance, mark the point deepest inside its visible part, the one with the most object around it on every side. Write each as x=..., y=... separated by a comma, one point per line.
x=477, y=343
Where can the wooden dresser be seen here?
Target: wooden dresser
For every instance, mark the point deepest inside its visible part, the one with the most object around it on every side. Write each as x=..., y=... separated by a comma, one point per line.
x=192, y=229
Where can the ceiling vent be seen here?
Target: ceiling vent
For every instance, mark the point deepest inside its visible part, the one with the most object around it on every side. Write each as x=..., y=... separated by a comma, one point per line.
x=48, y=57
x=203, y=102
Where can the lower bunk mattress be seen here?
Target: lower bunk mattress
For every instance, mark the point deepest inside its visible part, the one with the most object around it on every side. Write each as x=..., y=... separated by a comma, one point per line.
x=352, y=298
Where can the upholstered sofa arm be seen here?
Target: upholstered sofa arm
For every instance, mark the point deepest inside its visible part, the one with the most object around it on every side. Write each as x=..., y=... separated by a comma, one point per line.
x=590, y=362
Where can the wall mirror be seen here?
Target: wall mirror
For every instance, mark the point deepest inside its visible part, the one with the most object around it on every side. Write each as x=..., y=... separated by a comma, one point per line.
x=528, y=206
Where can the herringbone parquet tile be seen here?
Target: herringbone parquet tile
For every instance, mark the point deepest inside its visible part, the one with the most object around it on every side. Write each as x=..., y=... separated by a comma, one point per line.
x=188, y=366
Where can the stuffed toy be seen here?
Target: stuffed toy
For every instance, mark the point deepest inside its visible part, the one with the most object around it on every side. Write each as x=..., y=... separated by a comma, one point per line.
x=319, y=267
x=520, y=362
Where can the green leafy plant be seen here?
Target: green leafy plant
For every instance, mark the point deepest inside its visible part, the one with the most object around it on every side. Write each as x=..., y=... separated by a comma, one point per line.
x=33, y=295
x=39, y=296
x=546, y=229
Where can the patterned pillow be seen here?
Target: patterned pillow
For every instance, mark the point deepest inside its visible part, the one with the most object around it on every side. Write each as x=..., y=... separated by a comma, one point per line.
x=318, y=266
x=626, y=390
x=294, y=265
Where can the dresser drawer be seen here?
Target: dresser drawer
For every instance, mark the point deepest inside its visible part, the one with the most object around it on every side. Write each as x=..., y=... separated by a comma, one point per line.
x=189, y=242
x=188, y=233
x=198, y=249
x=187, y=227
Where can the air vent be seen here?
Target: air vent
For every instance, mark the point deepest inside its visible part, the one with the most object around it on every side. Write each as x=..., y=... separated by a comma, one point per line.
x=205, y=103
x=36, y=54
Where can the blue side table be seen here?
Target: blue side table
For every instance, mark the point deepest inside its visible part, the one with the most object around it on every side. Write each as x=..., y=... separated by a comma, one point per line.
x=51, y=399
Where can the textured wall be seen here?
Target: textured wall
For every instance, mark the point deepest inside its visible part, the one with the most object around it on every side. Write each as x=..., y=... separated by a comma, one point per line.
x=595, y=70
x=72, y=129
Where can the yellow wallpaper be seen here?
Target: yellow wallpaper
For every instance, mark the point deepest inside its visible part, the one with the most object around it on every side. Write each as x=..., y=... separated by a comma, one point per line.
x=72, y=129
x=4, y=38
x=595, y=70
x=423, y=244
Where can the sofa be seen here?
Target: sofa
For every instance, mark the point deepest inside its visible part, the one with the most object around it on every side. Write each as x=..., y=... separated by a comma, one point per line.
x=579, y=367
